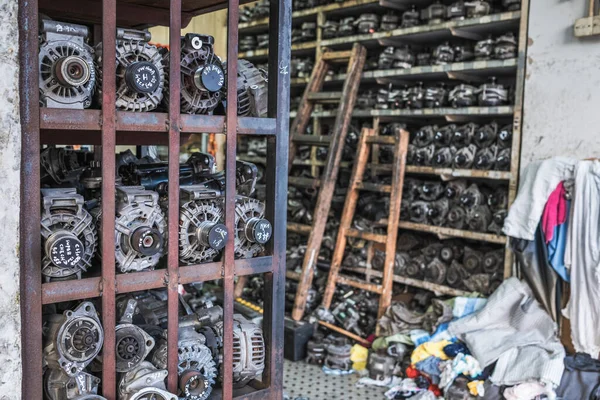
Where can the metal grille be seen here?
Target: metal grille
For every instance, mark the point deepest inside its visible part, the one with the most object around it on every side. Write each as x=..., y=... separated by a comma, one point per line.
x=108, y=128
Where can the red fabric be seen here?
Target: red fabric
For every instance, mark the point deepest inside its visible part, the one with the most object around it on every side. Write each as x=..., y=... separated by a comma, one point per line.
x=435, y=389
x=412, y=373
x=555, y=212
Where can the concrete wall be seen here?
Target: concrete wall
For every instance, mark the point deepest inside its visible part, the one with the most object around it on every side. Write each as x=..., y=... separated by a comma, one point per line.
x=562, y=100
x=10, y=151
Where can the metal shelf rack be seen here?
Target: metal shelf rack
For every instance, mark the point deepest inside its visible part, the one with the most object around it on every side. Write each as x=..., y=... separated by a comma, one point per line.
x=108, y=128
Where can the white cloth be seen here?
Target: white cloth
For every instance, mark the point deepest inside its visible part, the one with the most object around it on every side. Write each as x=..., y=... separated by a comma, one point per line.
x=582, y=258
x=528, y=391
x=515, y=331
x=536, y=183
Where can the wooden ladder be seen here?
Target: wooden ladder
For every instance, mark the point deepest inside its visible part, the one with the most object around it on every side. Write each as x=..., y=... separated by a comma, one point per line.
x=384, y=290
x=313, y=94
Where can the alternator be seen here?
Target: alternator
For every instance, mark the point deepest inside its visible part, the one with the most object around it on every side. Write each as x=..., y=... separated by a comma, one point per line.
x=434, y=14
x=252, y=90
x=252, y=230
x=492, y=94
x=202, y=76
x=132, y=343
x=59, y=165
x=463, y=96
x=201, y=231
x=145, y=382
x=196, y=369
x=68, y=235
x=506, y=47
x=60, y=386
x=67, y=76
x=140, y=71
x=140, y=229
x=73, y=339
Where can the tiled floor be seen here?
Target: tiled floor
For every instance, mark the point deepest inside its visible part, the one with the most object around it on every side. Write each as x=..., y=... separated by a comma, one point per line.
x=308, y=381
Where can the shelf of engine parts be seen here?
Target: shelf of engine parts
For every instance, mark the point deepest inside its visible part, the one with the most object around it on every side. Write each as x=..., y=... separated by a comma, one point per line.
x=59, y=120
x=421, y=113
x=430, y=72
x=298, y=48
x=473, y=28
x=354, y=5
x=450, y=232
x=434, y=287
x=55, y=292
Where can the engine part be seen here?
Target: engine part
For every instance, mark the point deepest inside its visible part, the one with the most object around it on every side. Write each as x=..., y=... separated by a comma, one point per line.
x=202, y=75
x=60, y=386
x=299, y=68
x=132, y=343
x=484, y=49
x=383, y=101
x=248, y=43
x=456, y=217
x=347, y=26
x=424, y=58
x=418, y=211
x=463, y=96
x=511, y=5
x=398, y=350
x=140, y=71
x=73, y=339
x=463, y=135
x=472, y=197
x=434, y=14
x=381, y=366
x=492, y=261
x=436, y=96
x=477, y=8
x=479, y=218
x=424, y=155
x=140, y=228
x=367, y=23
x=472, y=260
x=389, y=22
x=253, y=231
x=262, y=41
x=59, y=165
x=438, y=211
x=410, y=18
x=443, y=135
x=145, y=382
x=492, y=94
x=416, y=267
x=309, y=31
x=463, y=53
x=436, y=271
x=248, y=350
x=252, y=90
x=498, y=222
x=443, y=54
x=456, y=275
x=202, y=233
x=503, y=160
x=196, y=368
x=486, y=135
x=366, y=100
x=431, y=190
x=415, y=96
x=67, y=77
x=478, y=283
x=330, y=29
x=386, y=58
x=505, y=47
x=464, y=157
x=498, y=199
x=403, y=57
x=444, y=157
x=69, y=237
x=411, y=189
x=315, y=352
x=451, y=251
x=505, y=137
x=486, y=158
x=457, y=10
x=338, y=355
x=454, y=189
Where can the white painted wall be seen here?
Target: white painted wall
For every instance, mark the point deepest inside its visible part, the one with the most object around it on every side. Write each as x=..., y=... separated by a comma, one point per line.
x=10, y=151
x=562, y=88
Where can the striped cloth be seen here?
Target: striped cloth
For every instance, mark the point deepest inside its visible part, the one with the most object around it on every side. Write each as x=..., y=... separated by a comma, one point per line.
x=514, y=330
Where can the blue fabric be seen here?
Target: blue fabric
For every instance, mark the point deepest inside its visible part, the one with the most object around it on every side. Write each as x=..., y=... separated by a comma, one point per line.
x=556, y=247
x=453, y=349
x=430, y=367
x=419, y=336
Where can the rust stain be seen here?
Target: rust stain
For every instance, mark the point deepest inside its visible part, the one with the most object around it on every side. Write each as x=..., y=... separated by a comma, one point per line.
x=529, y=41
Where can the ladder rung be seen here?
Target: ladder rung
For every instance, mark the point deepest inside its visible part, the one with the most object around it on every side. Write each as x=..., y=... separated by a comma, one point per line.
x=336, y=328
x=336, y=55
x=373, y=187
x=381, y=140
x=304, y=182
x=380, y=167
x=357, y=283
x=299, y=228
x=372, y=237
x=312, y=139
x=325, y=97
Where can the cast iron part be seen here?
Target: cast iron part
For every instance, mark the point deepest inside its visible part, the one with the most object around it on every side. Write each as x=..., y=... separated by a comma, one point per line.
x=436, y=271
x=424, y=155
x=253, y=231
x=60, y=386
x=485, y=158
x=252, y=91
x=202, y=75
x=506, y=46
x=367, y=23
x=140, y=71
x=132, y=343
x=69, y=236
x=73, y=339
x=479, y=218
x=144, y=382
x=484, y=49
x=431, y=190
x=472, y=197
x=67, y=77
x=486, y=135
x=329, y=29
x=478, y=8
x=463, y=135
x=454, y=189
x=389, y=22
x=505, y=137
x=436, y=96
x=443, y=54
x=315, y=351
x=410, y=18
x=338, y=354
x=463, y=95
x=347, y=27
x=437, y=211
x=59, y=165
x=492, y=94
x=457, y=10
x=434, y=14
x=415, y=96
x=465, y=157
x=443, y=135
x=503, y=160
x=444, y=157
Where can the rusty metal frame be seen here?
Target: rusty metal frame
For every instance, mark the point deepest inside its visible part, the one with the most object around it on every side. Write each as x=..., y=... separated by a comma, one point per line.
x=107, y=128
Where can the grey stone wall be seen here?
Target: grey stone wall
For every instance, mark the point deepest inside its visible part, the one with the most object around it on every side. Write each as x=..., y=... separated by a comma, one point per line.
x=10, y=152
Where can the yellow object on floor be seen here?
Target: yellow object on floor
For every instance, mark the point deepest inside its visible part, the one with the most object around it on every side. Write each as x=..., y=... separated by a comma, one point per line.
x=429, y=349
x=476, y=388
x=359, y=356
